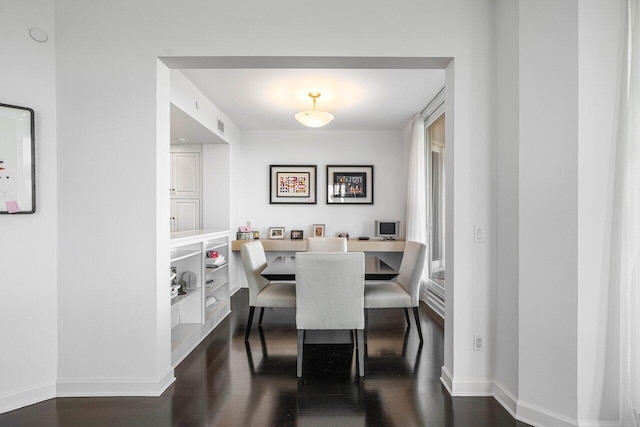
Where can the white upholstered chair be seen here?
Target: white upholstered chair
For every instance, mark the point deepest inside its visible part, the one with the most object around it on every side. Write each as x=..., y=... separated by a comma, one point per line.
x=404, y=292
x=262, y=292
x=330, y=295
x=326, y=244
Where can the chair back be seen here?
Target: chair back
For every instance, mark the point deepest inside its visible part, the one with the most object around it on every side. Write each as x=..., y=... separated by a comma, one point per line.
x=330, y=290
x=412, y=269
x=254, y=261
x=326, y=244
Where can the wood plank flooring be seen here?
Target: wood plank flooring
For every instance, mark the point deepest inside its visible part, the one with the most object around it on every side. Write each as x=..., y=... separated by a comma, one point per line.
x=224, y=382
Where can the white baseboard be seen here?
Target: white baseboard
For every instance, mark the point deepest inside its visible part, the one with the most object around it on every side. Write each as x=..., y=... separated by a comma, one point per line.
x=115, y=387
x=518, y=409
x=505, y=398
x=446, y=379
x=465, y=386
x=537, y=416
x=25, y=397
x=599, y=424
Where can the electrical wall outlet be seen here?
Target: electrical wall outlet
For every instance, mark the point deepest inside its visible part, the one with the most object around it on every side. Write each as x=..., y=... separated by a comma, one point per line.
x=478, y=233
x=478, y=342
x=249, y=224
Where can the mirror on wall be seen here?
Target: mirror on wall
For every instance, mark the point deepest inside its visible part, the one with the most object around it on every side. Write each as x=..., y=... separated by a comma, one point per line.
x=17, y=160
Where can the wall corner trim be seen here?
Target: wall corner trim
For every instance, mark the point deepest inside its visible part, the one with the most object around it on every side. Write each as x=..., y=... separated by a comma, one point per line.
x=26, y=396
x=505, y=398
x=518, y=409
x=115, y=386
x=537, y=416
x=446, y=379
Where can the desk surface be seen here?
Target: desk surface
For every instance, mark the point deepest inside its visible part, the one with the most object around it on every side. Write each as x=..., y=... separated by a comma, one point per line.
x=284, y=268
x=353, y=245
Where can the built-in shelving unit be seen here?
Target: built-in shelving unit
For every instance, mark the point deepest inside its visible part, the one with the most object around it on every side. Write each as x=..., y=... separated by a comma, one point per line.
x=207, y=300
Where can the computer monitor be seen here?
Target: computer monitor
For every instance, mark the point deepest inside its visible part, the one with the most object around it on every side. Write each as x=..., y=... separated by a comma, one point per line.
x=387, y=229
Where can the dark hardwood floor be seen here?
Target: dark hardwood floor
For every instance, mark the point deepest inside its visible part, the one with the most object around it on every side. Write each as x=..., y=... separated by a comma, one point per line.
x=225, y=383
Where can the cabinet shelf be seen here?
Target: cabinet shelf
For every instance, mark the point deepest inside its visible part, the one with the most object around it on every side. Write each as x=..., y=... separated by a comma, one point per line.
x=213, y=309
x=215, y=284
x=209, y=270
x=180, y=254
x=179, y=298
x=216, y=246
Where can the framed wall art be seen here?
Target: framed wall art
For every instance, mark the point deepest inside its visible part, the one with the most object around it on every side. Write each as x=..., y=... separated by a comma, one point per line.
x=349, y=184
x=292, y=184
x=17, y=160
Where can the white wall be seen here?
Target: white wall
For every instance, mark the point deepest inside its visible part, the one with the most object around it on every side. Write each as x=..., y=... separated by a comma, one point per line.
x=28, y=245
x=505, y=363
x=382, y=149
x=601, y=48
x=260, y=149
x=548, y=209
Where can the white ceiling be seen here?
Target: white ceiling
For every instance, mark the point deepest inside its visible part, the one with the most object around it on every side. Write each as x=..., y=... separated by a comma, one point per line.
x=360, y=99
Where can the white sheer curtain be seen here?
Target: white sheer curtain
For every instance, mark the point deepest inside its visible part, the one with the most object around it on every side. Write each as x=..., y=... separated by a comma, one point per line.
x=626, y=236
x=417, y=184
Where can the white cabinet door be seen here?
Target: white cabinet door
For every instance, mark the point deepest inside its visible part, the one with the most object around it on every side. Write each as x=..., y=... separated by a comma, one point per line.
x=185, y=174
x=185, y=214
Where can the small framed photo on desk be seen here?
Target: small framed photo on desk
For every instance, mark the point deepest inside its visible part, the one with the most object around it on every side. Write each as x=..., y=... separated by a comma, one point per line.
x=296, y=234
x=318, y=230
x=276, y=232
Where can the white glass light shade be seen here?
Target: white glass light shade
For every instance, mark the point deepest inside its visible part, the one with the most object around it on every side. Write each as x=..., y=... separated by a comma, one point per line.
x=314, y=118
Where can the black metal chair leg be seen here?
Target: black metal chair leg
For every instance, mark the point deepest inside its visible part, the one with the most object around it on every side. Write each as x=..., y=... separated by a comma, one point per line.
x=300, y=348
x=366, y=323
x=360, y=350
x=261, y=314
x=246, y=334
x=417, y=316
x=406, y=316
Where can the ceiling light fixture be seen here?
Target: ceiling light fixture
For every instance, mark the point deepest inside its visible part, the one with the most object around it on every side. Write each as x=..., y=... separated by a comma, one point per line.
x=314, y=118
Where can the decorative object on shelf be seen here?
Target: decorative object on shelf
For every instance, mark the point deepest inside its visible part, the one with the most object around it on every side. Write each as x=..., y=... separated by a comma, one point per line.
x=314, y=118
x=17, y=160
x=345, y=235
x=174, y=285
x=296, y=234
x=292, y=184
x=182, y=287
x=276, y=232
x=214, y=259
x=318, y=230
x=256, y=235
x=245, y=235
x=349, y=184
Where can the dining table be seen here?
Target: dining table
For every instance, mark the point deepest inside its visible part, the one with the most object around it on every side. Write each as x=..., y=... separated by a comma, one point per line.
x=283, y=267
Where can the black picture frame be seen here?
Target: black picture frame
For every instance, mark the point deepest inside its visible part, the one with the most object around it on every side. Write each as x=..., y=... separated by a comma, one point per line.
x=349, y=184
x=17, y=160
x=292, y=184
